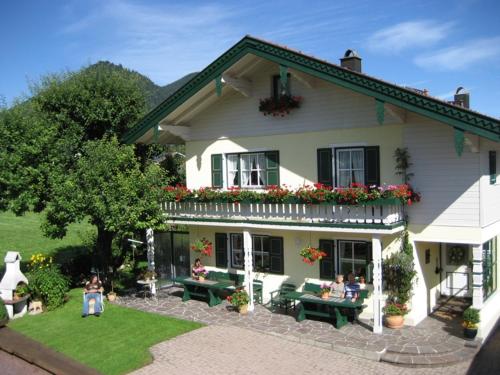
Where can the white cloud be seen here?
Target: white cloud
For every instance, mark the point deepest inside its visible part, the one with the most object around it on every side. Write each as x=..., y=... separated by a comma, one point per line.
x=461, y=57
x=163, y=42
x=408, y=35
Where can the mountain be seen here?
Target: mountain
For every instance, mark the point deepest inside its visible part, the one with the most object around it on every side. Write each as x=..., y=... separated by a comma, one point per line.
x=155, y=94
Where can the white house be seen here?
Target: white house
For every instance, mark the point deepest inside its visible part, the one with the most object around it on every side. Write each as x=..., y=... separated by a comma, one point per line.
x=346, y=130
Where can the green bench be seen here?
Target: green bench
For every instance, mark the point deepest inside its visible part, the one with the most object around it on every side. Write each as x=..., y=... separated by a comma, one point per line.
x=237, y=280
x=279, y=298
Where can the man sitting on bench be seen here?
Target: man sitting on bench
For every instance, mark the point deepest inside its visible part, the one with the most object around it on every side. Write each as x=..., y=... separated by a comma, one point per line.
x=351, y=292
x=92, y=290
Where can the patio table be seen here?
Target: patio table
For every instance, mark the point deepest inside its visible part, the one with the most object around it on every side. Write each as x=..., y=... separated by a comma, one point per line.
x=206, y=289
x=312, y=303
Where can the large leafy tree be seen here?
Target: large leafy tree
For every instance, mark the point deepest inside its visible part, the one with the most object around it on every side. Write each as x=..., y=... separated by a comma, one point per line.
x=109, y=186
x=59, y=152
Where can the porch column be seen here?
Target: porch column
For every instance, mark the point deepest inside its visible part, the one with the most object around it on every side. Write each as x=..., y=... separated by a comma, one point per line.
x=477, y=276
x=377, y=283
x=247, y=248
x=150, y=242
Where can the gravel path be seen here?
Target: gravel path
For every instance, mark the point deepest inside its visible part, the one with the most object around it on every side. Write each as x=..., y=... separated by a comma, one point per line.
x=233, y=350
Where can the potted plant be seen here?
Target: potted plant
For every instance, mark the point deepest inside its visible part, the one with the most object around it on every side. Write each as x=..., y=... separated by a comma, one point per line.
x=149, y=275
x=240, y=299
x=203, y=247
x=311, y=254
x=4, y=316
x=325, y=291
x=394, y=314
x=471, y=319
x=20, y=291
x=202, y=275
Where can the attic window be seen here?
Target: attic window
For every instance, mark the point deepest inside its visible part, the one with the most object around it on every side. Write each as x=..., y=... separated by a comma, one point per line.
x=277, y=89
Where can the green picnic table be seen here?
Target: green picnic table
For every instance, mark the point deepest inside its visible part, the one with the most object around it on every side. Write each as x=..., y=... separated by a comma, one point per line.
x=206, y=289
x=312, y=305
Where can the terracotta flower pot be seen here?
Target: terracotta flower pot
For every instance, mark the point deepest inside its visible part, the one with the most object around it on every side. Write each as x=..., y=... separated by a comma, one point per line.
x=243, y=309
x=112, y=297
x=201, y=278
x=325, y=295
x=395, y=321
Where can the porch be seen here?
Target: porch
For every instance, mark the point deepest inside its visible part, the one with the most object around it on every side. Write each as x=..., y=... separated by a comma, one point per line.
x=436, y=341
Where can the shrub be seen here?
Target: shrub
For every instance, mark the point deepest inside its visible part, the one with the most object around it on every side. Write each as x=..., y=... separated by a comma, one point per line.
x=471, y=317
x=239, y=298
x=3, y=311
x=49, y=285
x=395, y=309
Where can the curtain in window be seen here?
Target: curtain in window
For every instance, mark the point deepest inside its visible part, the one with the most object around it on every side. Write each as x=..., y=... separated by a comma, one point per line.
x=245, y=170
x=232, y=170
x=358, y=172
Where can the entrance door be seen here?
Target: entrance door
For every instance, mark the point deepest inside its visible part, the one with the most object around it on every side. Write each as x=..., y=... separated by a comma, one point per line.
x=455, y=271
x=172, y=254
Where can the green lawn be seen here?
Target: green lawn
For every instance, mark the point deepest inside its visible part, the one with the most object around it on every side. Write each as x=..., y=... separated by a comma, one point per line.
x=115, y=343
x=23, y=234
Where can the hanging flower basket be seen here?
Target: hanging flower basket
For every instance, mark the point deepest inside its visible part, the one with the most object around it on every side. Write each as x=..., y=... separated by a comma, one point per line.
x=311, y=254
x=203, y=247
x=279, y=106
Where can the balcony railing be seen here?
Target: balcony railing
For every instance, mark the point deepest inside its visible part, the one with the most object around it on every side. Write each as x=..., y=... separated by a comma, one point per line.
x=381, y=214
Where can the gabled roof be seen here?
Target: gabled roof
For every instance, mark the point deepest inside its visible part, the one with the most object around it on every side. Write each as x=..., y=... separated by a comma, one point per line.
x=458, y=117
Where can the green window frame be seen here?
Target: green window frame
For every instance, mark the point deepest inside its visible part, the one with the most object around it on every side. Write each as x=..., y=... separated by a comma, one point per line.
x=490, y=267
x=277, y=89
x=492, y=156
x=253, y=170
x=237, y=250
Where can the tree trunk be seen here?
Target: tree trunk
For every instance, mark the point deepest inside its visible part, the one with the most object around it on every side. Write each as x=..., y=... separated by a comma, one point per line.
x=104, y=249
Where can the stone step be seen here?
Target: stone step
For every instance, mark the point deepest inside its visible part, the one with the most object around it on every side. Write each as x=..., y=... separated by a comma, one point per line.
x=413, y=349
x=429, y=360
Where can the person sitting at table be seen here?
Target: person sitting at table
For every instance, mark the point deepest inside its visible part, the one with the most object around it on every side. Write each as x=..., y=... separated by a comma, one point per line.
x=92, y=290
x=362, y=282
x=337, y=287
x=197, y=269
x=351, y=289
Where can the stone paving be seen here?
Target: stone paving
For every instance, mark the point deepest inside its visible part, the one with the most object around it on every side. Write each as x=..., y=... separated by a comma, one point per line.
x=433, y=342
x=215, y=350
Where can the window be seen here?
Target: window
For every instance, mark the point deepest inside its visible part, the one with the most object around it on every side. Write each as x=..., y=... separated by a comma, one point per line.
x=493, y=167
x=237, y=254
x=327, y=263
x=350, y=166
x=489, y=267
x=277, y=89
x=261, y=256
x=355, y=257
x=253, y=170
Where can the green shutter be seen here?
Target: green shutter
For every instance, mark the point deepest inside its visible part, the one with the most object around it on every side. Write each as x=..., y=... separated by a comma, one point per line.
x=276, y=255
x=372, y=165
x=493, y=167
x=221, y=250
x=217, y=170
x=327, y=263
x=272, y=168
x=325, y=170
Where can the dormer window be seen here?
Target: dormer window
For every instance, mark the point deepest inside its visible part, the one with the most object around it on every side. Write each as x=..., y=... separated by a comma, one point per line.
x=278, y=89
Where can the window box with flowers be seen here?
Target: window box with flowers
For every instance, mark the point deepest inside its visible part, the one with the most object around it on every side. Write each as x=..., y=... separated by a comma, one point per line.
x=279, y=106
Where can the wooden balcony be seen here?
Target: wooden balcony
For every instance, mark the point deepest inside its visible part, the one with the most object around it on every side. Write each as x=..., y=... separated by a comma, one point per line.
x=381, y=214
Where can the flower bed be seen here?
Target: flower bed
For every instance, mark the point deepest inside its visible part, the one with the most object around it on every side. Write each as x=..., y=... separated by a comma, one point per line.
x=357, y=194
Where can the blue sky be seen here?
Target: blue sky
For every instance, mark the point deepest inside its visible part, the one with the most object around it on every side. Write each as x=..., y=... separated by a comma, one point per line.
x=437, y=45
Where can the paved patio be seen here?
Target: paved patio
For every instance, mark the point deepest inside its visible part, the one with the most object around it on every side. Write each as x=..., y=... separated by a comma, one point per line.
x=436, y=341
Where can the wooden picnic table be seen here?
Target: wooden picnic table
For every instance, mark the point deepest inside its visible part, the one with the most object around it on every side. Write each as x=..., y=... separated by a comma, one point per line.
x=311, y=304
x=207, y=289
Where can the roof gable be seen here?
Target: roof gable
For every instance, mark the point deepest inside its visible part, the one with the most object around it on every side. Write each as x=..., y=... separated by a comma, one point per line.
x=458, y=117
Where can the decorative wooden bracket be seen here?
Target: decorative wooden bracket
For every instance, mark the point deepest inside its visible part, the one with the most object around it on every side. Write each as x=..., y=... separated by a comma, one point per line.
x=218, y=85
x=379, y=104
x=459, y=141
x=242, y=85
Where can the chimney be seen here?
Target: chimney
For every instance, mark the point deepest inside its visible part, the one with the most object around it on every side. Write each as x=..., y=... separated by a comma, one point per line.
x=461, y=97
x=351, y=61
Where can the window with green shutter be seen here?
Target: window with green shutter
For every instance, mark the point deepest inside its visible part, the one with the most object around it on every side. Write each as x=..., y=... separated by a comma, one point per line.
x=221, y=250
x=325, y=170
x=253, y=169
x=493, y=167
x=217, y=170
x=276, y=255
x=357, y=165
x=327, y=263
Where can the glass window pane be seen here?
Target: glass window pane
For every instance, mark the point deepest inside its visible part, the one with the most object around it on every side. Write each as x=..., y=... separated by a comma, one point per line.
x=254, y=178
x=345, y=249
x=344, y=179
x=358, y=177
x=245, y=162
x=345, y=268
x=360, y=251
x=344, y=159
x=245, y=178
x=357, y=159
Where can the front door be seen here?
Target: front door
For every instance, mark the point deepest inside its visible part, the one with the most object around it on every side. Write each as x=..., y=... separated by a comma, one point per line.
x=172, y=254
x=455, y=271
